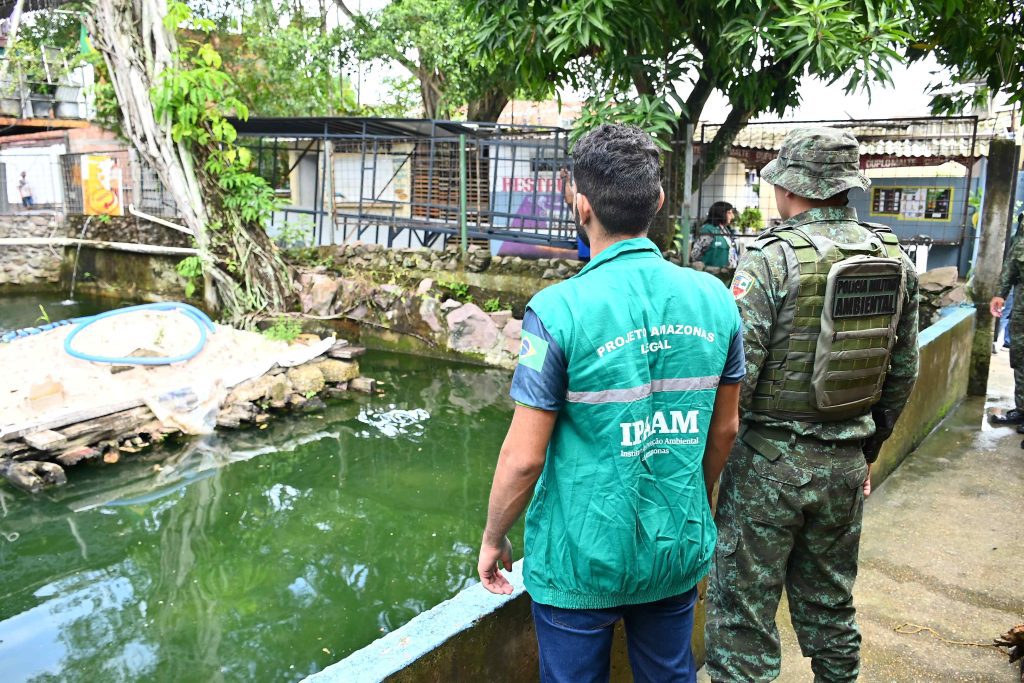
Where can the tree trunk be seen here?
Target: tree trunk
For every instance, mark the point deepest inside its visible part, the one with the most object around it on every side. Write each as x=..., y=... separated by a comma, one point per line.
x=714, y=153
x=137, y=48
x=488, y=107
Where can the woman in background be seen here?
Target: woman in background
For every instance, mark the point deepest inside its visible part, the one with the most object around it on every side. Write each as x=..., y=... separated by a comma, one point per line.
x=715, y=243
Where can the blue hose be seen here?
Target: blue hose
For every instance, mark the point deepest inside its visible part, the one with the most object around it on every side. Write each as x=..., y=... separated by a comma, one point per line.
x=201, y=320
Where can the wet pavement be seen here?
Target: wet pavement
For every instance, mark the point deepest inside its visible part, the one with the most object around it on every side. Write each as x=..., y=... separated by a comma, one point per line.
x=942, y=555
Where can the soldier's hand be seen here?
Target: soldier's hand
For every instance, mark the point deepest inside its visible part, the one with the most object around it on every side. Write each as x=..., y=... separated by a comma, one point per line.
x=867, y=482
x=995, y=307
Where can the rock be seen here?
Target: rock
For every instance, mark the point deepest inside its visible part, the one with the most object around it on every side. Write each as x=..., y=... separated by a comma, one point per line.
x=428, y=313
x=262, y=418
x=313, y=405
x=31, y=475
x=253, y=389
x=470, y=329
x=335, y=371
x=436, y=264
x=512, y=332
x=337, y=390
x=938, y=279
x=306, y=379
x=317, y=297
x=424, y=287
x=367, y=385
x=450, y=305
x=297, y=400
x=501, y=318
x=111, y=457
x=549, y=274
x=235, y=414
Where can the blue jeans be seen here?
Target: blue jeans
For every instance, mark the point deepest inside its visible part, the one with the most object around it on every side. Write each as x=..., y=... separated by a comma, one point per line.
x=575, y=644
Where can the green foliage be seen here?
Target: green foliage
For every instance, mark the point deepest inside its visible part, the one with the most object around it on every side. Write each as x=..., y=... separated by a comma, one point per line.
x=979, y=43
x=284, y=329
x=295, y=234
x=750, y=219
x=190, y=268
x=492, y=305
x=197, y=96
x=435, y=41
x=650, y=113
x=662, y=56
x=457, y=290
x=44, y=317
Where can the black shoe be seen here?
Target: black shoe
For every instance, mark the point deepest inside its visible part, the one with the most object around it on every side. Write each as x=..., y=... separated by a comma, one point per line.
x=1010, y=417
x=1020, y=429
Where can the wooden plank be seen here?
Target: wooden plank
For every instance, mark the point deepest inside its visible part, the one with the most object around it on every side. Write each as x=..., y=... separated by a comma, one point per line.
x=16, y=431
x=45, y=440
x=346, y=352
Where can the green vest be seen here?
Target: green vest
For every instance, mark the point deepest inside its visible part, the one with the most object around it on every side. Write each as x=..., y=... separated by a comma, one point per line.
x=830, y=349
x=620, y=515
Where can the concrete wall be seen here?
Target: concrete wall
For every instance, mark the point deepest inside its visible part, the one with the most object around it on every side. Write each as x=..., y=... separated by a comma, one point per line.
x=479, y=636
x=942, y=382
x=30, y=266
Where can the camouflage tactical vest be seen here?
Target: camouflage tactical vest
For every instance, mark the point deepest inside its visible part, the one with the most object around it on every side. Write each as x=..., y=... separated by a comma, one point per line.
x=830, y=347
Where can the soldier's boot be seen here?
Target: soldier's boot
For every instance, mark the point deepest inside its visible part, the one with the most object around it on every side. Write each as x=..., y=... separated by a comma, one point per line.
x=1010, y=417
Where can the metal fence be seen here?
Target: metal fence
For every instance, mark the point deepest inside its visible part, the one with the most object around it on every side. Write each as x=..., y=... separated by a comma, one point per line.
x=487, y=183
x=139, y=183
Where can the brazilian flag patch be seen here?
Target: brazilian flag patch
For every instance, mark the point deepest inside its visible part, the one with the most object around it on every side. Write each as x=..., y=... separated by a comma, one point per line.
x=532, y=351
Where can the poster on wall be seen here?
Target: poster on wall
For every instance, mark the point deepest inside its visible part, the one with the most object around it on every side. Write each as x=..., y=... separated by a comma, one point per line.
x=526, y=195
x=101, y=186
x=912, y=203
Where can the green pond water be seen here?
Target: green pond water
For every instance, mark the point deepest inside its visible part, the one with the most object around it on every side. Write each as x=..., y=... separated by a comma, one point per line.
x=255, y=555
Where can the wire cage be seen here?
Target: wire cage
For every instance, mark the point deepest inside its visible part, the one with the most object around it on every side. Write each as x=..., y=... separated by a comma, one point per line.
x=136, y=183
x=405, y=183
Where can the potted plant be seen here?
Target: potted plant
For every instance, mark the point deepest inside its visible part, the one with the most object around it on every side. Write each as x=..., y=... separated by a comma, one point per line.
x=750, y=220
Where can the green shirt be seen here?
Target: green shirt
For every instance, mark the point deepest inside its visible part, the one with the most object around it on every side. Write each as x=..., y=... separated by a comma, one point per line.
x=714, y=244
x=620, y=515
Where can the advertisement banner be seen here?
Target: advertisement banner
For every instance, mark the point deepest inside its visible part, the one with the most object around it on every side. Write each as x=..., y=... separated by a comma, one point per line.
x=101, y=186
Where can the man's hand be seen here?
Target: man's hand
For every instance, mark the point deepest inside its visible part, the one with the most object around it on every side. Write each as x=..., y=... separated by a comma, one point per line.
x=995, y=307
x=867, y=482
x=567, y=192
x=492, y=558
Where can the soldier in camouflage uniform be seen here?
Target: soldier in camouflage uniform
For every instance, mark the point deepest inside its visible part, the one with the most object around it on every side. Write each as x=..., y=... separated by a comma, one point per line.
x=792, y=493
x=1013, y=275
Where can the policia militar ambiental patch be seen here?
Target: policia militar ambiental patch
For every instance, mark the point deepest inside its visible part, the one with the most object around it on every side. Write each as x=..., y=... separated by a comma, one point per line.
x=857, y=297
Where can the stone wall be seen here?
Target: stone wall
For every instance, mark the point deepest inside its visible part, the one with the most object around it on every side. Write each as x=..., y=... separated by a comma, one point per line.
x=30, y=266
x=424, y=319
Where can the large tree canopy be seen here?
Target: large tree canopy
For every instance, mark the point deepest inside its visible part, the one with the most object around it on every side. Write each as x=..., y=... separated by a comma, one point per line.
x=656, y=63
x=980, y=43
x=435, y=41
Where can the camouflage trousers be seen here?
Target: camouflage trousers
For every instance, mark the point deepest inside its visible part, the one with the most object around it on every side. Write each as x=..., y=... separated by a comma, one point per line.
x=789, y=514
x=1017, y=351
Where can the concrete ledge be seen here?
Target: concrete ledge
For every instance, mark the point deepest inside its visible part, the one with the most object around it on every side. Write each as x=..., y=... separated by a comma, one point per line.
x=941, y=384
x=474, y=632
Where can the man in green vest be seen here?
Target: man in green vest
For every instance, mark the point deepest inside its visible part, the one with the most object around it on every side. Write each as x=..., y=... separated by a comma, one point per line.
x=627, y=393
x=829, y=308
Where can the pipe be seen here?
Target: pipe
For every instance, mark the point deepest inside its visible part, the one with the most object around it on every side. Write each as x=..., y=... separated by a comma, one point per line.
x=159, y=221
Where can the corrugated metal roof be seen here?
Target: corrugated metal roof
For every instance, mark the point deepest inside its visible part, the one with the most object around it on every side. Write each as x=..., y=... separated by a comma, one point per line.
x=338, y=126
x=952, y=137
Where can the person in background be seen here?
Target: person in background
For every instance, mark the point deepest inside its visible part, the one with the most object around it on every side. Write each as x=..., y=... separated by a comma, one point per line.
x=715, y=244
x=626, y=396
x=25, y=190
x=1011, y=276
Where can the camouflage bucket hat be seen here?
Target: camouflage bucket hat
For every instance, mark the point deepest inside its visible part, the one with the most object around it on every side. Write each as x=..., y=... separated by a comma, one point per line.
x=817, y=163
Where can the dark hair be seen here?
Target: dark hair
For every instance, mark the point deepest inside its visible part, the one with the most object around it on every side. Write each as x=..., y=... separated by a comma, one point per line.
x=716, y=214
x=618, y=169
